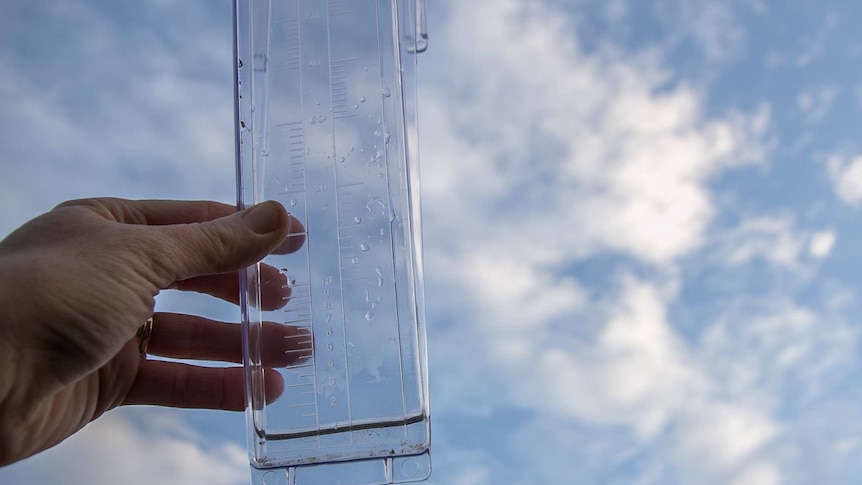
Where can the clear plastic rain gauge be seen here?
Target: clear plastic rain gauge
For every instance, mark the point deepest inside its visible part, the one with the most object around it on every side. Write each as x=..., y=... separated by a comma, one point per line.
x=326, y=125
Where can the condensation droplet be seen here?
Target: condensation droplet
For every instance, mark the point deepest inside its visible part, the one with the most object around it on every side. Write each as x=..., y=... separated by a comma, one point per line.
x=363, y=247
x=379, y=271
x=382, y=232
x=239, y=63
x=362, y=99
x=354, y=260
x=292, y=202
x=369, y=316
x=386, y=138
x=357, y=219
x=342, y=159
x=386, y=92
x=375, y=204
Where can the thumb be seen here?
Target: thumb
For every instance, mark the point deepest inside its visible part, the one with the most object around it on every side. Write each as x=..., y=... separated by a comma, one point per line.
x=222, y=245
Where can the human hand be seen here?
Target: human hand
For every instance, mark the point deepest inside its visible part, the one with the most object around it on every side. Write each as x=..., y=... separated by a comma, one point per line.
x=77, y=283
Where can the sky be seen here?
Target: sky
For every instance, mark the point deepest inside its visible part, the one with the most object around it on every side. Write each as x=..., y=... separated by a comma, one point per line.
x=640, y=219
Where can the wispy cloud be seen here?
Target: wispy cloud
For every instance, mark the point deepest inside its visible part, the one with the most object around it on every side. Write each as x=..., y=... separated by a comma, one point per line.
x=614, y=164
x=141, y=446
x=775, y=239
x=106, y=108
x=570, y=194
x=822, y=243
x=816, y=104
x=712, y=25
x=846, y=177
x=541, y=158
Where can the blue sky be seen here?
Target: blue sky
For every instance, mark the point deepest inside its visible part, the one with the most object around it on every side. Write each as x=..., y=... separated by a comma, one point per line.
x=641, y=225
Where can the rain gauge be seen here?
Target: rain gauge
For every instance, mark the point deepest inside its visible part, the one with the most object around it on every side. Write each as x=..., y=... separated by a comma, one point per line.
x=326, y=125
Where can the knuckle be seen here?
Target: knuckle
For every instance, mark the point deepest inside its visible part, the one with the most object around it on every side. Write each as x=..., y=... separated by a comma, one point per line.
x=111, y=208
x=219, y=243
x=77, y=203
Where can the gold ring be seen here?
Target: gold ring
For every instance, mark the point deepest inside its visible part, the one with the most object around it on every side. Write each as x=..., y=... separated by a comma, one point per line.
x=143, y=336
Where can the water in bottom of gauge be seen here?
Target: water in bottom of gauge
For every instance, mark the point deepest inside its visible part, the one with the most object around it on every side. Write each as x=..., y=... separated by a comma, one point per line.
x=355, y=426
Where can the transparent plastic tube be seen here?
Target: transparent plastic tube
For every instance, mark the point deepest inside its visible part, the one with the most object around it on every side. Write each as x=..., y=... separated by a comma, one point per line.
x=326, y=125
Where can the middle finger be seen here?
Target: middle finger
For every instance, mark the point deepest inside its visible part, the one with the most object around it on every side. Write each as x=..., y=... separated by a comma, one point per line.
x=183, y=336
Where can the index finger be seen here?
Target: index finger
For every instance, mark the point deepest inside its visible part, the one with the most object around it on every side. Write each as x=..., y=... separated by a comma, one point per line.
x=155, y=212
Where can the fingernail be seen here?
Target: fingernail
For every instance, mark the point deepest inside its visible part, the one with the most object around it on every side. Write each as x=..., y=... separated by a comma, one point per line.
x=263, y=218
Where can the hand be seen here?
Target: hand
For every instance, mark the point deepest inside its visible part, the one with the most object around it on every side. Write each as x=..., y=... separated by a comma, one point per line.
x=79, y=281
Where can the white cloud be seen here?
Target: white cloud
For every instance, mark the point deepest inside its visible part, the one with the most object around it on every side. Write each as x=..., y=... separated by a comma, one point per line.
x=475, y=475
x=539, y=158
x=798, y=350
x=846, y=176
x=725, y=433
x=590, y=151
x=758, y=474
x=136, y=446
x=821, y=244
x=775, y=239
x=637, y=372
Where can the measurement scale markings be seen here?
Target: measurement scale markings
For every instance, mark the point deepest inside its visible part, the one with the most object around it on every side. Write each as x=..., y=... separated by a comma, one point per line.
x=342, y=116
x=295, y=310
x=294, y=352
x=338, y=7
x=338, y=89
x=290, y=31
x=300, y=405
x=300, y=384
x=301, y=318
